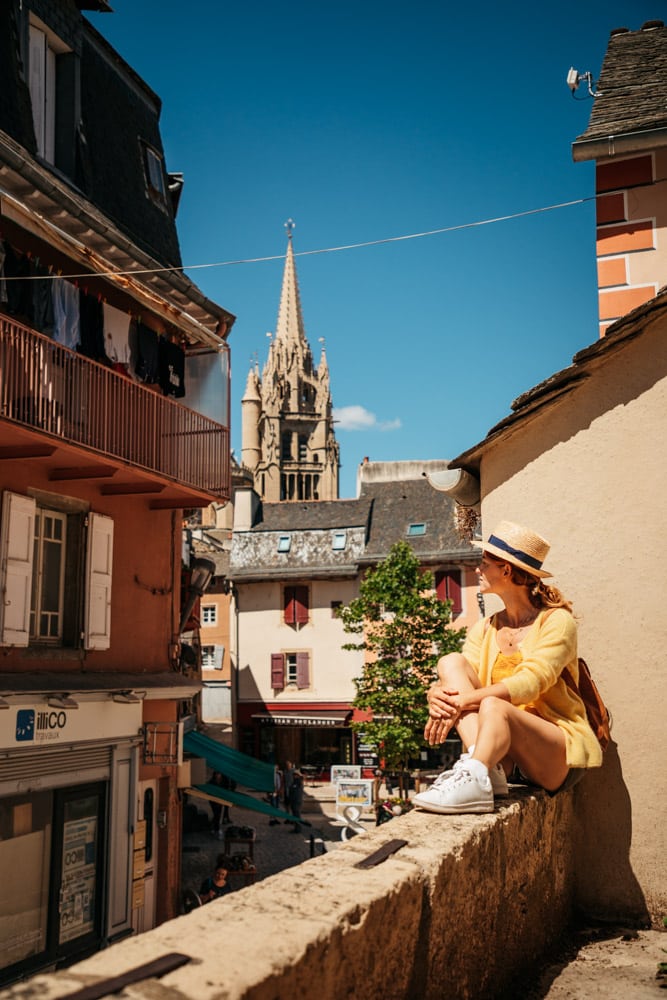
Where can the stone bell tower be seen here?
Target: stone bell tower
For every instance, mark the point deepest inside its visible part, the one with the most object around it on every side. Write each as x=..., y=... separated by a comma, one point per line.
x=288, y=440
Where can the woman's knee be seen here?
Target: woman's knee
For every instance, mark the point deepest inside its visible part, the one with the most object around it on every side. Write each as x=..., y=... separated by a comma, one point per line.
x=494, y=707
x=451, y=667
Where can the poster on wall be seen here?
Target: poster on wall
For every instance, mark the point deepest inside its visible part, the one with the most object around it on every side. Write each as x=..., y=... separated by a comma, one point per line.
x=354, y=792
x=77, y=893
x=344, y=772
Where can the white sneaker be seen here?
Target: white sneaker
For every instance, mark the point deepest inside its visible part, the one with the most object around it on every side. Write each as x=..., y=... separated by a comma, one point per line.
x=496, y=774
x=457, y=791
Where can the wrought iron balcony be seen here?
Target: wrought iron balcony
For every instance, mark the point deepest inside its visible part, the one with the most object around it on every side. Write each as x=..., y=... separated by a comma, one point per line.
x=64, y=395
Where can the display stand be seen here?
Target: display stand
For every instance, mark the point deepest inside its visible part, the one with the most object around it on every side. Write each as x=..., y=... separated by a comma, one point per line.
x=233, y=841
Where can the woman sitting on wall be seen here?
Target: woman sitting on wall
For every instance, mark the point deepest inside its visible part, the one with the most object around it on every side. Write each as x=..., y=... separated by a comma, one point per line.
x=505, y=693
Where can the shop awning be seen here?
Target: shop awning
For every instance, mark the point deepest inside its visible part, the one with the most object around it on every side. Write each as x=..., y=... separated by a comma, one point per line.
x=331, y=717
x=242, y=768
x=216, y=794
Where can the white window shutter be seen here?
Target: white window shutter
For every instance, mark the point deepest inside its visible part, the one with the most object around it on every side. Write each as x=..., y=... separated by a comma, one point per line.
x=219, y=652
x=99, y=562
x=17, y=540
x=37, y=83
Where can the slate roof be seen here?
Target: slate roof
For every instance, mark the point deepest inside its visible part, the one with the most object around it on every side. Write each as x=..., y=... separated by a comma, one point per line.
x=313, y=514
x=373, y=522
x=94, y=206
x=632, y=86
x=398, y=504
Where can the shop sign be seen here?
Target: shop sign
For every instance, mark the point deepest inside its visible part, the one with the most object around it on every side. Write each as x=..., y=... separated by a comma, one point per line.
x=33, y=724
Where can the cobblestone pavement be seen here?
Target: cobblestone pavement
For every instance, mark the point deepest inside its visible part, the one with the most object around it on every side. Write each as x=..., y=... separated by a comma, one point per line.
x=276, y=847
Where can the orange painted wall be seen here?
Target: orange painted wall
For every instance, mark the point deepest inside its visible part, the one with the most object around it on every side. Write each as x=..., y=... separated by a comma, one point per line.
x=145, y=587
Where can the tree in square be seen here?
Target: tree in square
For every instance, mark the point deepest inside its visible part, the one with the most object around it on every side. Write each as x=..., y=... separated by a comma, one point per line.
x=403, y=628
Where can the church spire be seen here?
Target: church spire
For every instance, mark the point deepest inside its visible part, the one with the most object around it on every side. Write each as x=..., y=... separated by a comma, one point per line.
x=289, y=442
x=290, y=318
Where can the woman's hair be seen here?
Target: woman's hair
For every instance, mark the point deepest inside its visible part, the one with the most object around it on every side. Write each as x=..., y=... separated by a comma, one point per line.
x=540, y=594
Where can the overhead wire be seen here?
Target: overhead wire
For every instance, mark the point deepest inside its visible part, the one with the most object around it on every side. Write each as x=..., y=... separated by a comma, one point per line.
x=309, y=253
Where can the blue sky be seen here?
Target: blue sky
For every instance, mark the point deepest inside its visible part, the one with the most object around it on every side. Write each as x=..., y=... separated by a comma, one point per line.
x=364, y=121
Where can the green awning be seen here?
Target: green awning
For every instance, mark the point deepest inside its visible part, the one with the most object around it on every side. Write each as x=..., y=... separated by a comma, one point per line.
x=244, y=802
x=242, y=768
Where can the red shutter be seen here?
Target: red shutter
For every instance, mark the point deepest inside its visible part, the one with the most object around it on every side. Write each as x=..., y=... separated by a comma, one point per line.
x=454, y=591
x=296, y=605
x=277, y=671
x=301, y=605
x=448, y=588
x=302, y=670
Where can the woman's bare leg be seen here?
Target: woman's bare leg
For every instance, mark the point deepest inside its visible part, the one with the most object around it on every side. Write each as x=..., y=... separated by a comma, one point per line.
x=536, y=746
x=455, y=674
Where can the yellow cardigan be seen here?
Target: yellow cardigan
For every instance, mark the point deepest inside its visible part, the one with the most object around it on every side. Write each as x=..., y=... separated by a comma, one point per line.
x=547, y=648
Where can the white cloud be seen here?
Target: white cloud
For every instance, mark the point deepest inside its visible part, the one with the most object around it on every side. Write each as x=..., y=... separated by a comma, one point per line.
x=357, y=418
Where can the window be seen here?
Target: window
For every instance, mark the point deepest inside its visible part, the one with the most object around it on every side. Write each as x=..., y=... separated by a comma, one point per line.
x=42, y=84
x=335, y=605
x=296, y=605
x=417, y=529
x=53, y=82
x=303, y=448
x=284, y=543
x=211, y=657
x=286, y=446
x=339, y=540
x=448, y=588
x=55, y=573
x=154, y=173
x=209, y=614
x=290, y=669
x=48, y=575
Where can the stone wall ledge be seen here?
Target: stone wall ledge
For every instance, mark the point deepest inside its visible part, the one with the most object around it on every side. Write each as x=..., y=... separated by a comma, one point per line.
x=458, y=912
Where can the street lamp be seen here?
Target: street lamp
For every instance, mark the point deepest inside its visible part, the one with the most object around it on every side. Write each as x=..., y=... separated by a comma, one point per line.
x=201, y=574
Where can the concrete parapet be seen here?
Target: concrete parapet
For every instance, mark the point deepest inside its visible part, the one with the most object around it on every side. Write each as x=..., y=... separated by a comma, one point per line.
x=458, y=912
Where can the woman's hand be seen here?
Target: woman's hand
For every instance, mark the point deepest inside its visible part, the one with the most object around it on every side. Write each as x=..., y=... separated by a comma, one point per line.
x=444, y=710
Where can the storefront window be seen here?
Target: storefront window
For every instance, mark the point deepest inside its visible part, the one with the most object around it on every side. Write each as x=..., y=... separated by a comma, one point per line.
x=25, y=849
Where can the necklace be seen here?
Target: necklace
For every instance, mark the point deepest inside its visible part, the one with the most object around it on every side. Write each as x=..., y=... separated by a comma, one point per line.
x=514, y=633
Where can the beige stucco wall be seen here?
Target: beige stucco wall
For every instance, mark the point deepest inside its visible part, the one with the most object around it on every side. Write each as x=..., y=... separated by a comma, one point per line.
x=262, y=631
x=589, y=473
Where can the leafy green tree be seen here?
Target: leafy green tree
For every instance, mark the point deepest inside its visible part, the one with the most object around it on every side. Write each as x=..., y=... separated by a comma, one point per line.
x=403, y=629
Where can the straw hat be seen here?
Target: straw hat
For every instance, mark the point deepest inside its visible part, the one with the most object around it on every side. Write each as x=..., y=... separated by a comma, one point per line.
x=519, y=546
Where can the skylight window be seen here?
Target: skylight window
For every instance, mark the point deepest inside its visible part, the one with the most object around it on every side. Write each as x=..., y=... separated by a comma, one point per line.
x=284, y=543
x=417, y=528
x=339, y=540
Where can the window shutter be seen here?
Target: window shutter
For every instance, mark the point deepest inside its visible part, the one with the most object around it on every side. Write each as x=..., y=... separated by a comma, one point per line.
x=219, y=652
x=301, y=605
x=290, y=612
x=17, y=540
x=448, y=588
x=277, y=671
x=454, y=592
x=37, y=83
x=302, y=670
x=99, y=561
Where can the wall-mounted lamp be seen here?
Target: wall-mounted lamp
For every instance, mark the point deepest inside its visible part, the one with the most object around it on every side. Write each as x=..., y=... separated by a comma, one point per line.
x=201, y=574
x=161, y=819
x=62, y=701
x=128, y=697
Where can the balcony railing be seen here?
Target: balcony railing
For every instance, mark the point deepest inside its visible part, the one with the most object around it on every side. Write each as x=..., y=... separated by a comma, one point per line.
x=63, y=394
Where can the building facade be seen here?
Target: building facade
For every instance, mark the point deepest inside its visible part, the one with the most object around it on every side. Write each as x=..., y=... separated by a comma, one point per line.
x=578, y=459
x=292, y=566
x=627, y=139
x=99, y=457
x=288, y=440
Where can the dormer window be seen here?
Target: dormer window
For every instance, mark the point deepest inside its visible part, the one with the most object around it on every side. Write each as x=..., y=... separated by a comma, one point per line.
x=339, y=540
x=418, y=528
x=284, y=543
x=45, y=50
x=154, y=173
